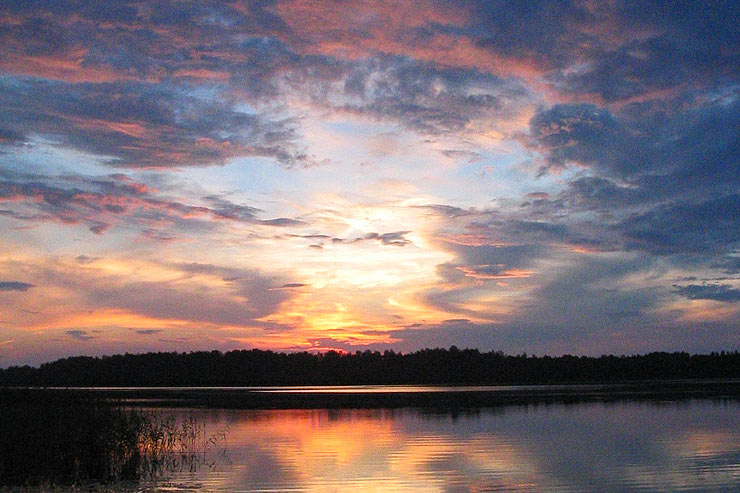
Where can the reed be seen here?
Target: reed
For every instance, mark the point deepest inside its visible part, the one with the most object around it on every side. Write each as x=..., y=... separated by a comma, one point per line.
x=50, y=439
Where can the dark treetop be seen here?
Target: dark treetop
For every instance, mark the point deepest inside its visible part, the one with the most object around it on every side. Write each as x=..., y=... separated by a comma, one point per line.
x=428, y=366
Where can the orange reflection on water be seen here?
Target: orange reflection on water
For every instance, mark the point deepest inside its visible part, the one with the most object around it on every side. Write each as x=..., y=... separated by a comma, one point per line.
x=366, y=450
x=591, y=447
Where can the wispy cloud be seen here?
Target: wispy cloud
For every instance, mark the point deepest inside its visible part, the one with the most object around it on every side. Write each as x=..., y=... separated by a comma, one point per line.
x=101, y=202
x=716, y=292
x=15, y=286
x=80, y=335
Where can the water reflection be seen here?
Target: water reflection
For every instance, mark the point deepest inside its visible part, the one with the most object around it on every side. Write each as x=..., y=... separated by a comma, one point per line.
x=617, y=447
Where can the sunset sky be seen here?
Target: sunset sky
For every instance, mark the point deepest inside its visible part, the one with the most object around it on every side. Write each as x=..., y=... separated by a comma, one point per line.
x=549, y=177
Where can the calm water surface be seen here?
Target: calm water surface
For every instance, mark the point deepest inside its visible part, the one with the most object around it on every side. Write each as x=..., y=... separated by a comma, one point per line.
x=624, y=446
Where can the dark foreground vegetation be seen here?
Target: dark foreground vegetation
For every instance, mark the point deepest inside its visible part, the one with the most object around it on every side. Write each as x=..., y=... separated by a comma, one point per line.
x=59, y=439
x=429, y=366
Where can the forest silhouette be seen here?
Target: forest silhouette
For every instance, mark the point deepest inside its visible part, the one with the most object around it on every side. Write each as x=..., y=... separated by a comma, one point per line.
x=451, y=366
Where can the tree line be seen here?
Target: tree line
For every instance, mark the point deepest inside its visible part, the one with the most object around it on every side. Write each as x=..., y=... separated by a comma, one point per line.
x=428, y=366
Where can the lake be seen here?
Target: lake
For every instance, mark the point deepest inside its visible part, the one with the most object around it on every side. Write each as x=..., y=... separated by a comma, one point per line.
x=627, y=445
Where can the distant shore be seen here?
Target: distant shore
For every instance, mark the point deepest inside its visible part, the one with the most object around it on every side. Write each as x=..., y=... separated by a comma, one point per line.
x=453, y=366
x=373, y=397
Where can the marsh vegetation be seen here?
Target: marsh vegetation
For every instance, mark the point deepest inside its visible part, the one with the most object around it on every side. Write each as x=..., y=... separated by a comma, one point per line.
x=52, y=439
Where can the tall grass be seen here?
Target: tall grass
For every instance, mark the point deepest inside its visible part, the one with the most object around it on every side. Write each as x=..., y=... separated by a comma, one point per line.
x=57, y=438
x=167, y=444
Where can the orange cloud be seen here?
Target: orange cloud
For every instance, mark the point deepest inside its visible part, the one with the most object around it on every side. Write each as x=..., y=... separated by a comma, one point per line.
x=353, y=30
x=68, y=69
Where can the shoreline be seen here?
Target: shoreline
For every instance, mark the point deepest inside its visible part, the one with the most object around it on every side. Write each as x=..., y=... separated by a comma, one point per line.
x=374, y=397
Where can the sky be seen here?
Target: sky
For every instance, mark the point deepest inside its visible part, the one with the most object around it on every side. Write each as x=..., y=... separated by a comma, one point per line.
x=544, y=177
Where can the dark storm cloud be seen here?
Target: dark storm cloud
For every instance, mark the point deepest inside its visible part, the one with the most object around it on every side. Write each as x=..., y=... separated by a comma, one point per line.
x=615, y=51
x=515, y=237
x=150, y=52
x=717, y=292
x=418, y=73
x=500, y=250
x=510, y=228
x=453, y=300
x=15, y=286
x=9, y=137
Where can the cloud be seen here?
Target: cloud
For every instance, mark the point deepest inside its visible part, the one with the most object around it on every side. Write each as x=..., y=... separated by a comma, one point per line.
x=592, y=293
x=84, y=259
x=132, y=85
x=705, y=227
x=395, y=238
x=648, y=173
x=592, y=193
x=126, y=41
x=582, y=134
x=428, y=99
x=717, y=292
x=501, y=256
x=80, y=335
x=15, y=286
x=686, y=150
x=463, y=155
x=143, y=125
x=239, y=304
x=281, y=222
x=155, y=91
x=293, y=285
x=149, y=331
x=458, y=332
x=645, y=51
x=731, y=265
x=101, y=202
x=209, y=295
